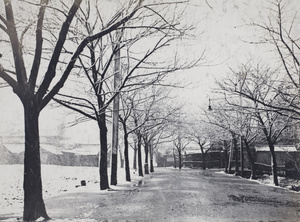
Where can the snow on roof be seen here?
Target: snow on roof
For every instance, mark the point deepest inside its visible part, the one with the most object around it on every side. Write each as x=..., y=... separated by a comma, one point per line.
x=84, y=149
x=191, y=151
x=278, y=148
x=79, y=149
x=20, y=147
x=15, y=147
x=51, y=148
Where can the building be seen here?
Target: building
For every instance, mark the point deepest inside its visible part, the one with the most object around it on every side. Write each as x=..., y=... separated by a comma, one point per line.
x=288, y=160
x=194, y=159
x=53, y=151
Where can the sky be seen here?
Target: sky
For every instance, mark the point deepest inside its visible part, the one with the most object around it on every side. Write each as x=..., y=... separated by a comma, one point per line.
x=223, y=24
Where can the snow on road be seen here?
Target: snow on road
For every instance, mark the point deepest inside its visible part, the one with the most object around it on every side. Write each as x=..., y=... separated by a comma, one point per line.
x=166, y=195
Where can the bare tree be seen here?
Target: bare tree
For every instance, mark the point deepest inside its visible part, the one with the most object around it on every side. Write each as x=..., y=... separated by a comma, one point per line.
x=48, y=60
x=131, y=105
x=153, y=133
x=139, y=66
x=180, y=138
x=204, y=135
x=180, y=143
x=34, y=97
x=279, y=26
x=257, y=84
x=225, y=117
x=142, y=114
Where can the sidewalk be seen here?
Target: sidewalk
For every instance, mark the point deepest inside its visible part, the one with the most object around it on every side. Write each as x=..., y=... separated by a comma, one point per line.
x=75, y=203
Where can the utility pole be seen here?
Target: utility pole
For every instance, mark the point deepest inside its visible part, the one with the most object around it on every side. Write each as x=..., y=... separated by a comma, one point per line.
x=242, y=81
x=115, y=129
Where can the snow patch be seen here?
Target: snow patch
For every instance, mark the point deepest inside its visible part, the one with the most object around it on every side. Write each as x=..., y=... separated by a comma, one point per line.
x=56, y=180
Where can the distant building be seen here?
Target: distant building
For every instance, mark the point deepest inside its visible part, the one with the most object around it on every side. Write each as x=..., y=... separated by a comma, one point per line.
x=288, y=160
x=263, y=155
x=194, y=159
x=53, y=151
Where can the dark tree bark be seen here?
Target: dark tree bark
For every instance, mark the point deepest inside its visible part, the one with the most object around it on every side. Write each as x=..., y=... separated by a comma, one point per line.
x=272, y=150
x=135, y=156
x=151, y=159
x=179, y=159
x=273, y=162
x=34, y=206
x=151, y=166
x=146, y=165
x=103, y=157
x=226, y=161
x=236, y=156
x=126, y=157
x=251, y=159
x=139, y=150
x=204, y=156
x=126, y=147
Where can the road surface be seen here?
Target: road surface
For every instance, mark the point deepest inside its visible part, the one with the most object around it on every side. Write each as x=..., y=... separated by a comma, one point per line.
x=186, y=195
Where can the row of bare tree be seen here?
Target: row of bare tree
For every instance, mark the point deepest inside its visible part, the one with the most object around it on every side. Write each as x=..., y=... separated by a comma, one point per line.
x=47, y=43
x=259, y=103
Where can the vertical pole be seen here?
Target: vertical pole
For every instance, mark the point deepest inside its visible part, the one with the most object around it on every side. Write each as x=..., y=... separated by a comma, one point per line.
x=115, y=129
x=242, y=81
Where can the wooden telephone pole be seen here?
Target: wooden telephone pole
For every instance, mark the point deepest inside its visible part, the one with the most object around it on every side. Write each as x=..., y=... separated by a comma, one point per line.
x=115, y=129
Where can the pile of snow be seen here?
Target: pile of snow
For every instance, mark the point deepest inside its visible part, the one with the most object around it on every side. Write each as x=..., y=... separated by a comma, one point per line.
x=291, y=184
x=56, y=180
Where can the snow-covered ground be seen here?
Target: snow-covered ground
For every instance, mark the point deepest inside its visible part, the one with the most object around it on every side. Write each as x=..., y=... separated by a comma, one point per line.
x=287, y=183
x=56, y=180
x=61, y=179
x=291, y=184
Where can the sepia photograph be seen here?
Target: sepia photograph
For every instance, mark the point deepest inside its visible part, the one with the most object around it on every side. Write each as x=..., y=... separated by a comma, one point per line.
x=150, y=110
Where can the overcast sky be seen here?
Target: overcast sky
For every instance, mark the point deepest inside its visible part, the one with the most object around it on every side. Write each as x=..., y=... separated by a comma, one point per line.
x=224, y=33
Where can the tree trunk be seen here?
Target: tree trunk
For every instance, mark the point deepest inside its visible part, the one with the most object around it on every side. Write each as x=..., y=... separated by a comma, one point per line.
x=241, y=156
x=251, y=159
x=134, y=156
x=179, y=159
x=151, y=166
x=236, y=156
x=126, y=155
x=151, y=158
x=34, y=206
x=203, y=156
x=274, y=162
x=146, y=165
x=103, y=150
x=225, y=156
x=272, y=150
x=139, y=148
x=175, y=164
x=204, y=160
